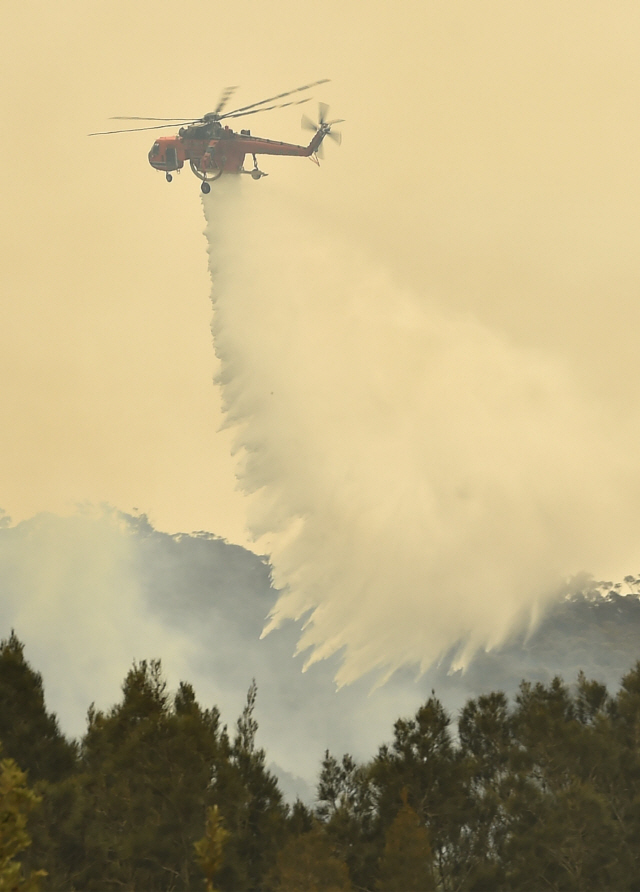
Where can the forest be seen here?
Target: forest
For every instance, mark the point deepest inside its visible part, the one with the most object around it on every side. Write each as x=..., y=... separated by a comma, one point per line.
x=539, y=793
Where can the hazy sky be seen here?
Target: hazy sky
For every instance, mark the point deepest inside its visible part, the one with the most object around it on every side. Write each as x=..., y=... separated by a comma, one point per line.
x=489, y=160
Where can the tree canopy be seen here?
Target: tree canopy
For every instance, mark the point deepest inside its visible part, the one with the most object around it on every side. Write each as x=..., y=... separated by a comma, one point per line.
x=541, y=792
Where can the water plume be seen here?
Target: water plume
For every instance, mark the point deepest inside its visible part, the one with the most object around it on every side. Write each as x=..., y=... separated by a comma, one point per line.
x=419, y=482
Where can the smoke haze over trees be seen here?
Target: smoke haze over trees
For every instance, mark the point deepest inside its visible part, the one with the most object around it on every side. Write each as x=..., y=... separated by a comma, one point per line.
x=157, y=794
x=90, y=593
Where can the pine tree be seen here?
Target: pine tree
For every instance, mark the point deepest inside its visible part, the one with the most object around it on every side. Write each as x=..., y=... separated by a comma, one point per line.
x=210, y=849
x=151, y=768
x=251, y=804
x=28, y=733
x=407, y=860
x=16, y=802
x=309, y=863
x=134, y=811
x=560, y=830
x=346, y=806
x=423, y=761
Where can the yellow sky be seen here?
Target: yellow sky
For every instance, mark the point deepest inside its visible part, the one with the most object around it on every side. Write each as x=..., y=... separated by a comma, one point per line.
x=489, y=159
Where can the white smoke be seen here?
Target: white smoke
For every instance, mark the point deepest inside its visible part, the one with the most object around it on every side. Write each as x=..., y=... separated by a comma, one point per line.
x=418, y=481
x=71, y=590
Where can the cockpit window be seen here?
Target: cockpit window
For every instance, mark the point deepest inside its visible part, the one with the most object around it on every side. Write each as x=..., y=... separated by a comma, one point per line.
x=155, y=149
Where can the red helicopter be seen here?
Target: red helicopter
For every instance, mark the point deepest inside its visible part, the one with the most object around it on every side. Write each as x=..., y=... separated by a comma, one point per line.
x=213, y=148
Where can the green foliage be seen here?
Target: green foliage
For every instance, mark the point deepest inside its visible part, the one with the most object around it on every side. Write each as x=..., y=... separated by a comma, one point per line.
x=150, y=769
x=251, y=805
x=310, y=863
x=16, y=801
x=542, y=793
x=346, y=805
x=407, y=859
x=300, y=819
x=210, y=849
x=131, y=814
x=423, y=761
x=28, y=733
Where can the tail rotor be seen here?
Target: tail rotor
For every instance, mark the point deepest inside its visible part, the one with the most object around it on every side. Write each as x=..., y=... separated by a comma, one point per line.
x=323, y=126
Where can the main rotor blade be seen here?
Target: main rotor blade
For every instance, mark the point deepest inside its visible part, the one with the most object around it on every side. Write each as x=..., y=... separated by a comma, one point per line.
x=128, y=118
x=227, y=93
x=136, y=129
x=267, y=108
x=236, y=111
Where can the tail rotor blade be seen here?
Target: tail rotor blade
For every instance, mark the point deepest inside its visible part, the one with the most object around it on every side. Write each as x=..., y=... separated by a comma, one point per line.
x=323, y=110
x=308, y=124
x=323, y=126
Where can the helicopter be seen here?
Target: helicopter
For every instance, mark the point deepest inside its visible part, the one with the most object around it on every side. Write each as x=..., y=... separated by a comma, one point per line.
x=212, y=148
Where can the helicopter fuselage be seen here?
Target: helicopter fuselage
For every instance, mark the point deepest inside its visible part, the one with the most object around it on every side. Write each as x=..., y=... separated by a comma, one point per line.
x=212, y=150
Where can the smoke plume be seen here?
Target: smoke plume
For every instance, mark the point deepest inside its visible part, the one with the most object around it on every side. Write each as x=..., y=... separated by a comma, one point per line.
x=72, y=590
x=419, y=482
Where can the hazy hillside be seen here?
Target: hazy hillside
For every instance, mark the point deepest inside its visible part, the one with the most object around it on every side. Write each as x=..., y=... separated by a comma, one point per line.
x=220, y=593
x=89, y=594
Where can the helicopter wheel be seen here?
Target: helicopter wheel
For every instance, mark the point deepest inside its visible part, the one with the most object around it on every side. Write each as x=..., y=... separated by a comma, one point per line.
x=206, y=188
x=169, y=177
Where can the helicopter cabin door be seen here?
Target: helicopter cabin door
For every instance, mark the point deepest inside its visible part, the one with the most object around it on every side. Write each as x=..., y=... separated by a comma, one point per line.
x=171, y=158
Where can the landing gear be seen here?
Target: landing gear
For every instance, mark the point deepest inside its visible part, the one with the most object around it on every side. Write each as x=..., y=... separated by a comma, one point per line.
x=204, y=175
x=256, y=173
x=206, y=188
x=169, y=177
